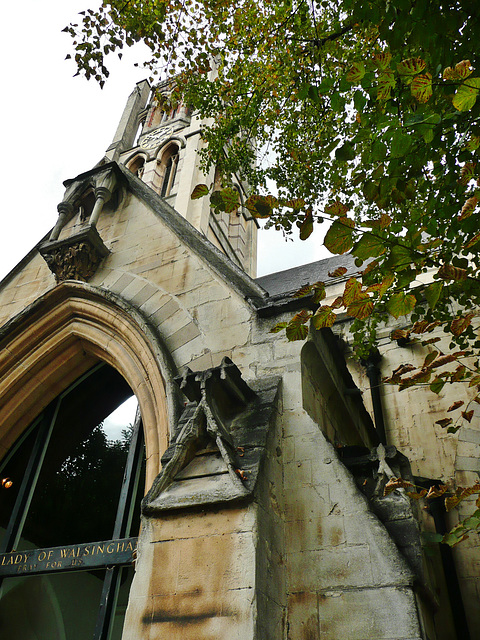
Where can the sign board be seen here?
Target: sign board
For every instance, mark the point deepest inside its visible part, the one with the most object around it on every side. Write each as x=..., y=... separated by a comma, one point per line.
x=76, y=557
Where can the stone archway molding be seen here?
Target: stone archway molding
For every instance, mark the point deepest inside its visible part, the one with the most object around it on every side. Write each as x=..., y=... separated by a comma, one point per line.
x=64, y=333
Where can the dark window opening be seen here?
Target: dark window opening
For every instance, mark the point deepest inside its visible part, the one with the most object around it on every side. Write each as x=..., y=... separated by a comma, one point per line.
x=170, y=163
x=77, y=476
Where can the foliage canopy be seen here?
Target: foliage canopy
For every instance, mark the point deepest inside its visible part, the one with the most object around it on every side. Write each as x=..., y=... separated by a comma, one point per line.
x=368, y=117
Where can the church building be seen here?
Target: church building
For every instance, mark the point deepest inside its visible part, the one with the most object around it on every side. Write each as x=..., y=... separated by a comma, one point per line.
x=240, y=494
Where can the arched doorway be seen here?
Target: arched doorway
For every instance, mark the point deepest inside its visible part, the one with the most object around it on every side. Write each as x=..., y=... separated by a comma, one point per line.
x=68, y=513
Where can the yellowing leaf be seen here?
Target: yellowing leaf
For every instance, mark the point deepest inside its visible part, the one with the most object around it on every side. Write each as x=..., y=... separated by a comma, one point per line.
x=338, y=272
x=396, y=483
x=459, y=72
x=455, y=405
x=468, y=208
x=421, y=87
x=473, y=241
x=339, y=238
x=356, y=72
x=353, y=290
x=296, y=331
x=324, y=317
x=295, y=204
x=473, y=143
x=459, y=325
x=449, y=272
x=361, y=308
x=411, y=66
x=382, y=60
x=463, y=69
x=200, y=191
x=336, y=208
x=280, y=326
x=466, y=94
x=460, y=494
x=451, y=357
x=319, y=292
x=261, y=206
x=380, y=288
x=444, y=422
x=436, y=491
x=386, y=82
x=416, y=495
x=467, y=173
x=399, y=334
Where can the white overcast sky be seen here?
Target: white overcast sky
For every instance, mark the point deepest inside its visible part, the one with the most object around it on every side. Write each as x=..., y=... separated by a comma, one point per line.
x=56, y=126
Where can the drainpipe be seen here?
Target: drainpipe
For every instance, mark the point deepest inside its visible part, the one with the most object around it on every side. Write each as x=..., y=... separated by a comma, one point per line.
x=436, y=508
x=374, y=376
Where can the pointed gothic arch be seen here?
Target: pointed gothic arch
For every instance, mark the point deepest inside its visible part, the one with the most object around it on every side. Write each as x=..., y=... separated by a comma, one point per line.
x=136, y=164
x=167, y=159
x=62, y=335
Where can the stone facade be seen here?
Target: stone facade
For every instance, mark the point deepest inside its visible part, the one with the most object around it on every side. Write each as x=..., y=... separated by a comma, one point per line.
x=263, y=517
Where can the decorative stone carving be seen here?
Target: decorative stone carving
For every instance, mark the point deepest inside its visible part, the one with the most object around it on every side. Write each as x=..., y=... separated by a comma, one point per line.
x=75, y=258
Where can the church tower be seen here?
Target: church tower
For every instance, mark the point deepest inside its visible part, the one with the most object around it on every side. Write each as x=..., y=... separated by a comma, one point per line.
x=161, y=148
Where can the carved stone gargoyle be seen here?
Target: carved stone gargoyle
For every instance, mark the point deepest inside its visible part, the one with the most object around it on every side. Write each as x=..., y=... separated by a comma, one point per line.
x=219, y=441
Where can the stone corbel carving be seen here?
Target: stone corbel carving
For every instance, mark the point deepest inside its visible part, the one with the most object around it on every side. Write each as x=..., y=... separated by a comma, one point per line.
x=219, y=442
x=75, y=258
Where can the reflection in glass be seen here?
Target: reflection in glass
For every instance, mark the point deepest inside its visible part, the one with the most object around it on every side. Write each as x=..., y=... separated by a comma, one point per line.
x=75, y=500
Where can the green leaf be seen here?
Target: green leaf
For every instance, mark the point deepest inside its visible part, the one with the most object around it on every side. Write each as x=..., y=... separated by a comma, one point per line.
x=359, y=100
x=437, y=385
x=400, y=257
x=306, y=227
x=466, y=94
x=261, y=206
x=280, y=326
x=401, y=304
x=339, y=238
x=345, y=153
x=401, y=144
x=369, y=246
x=433, y=293
x=200, y=191
x=379, y=151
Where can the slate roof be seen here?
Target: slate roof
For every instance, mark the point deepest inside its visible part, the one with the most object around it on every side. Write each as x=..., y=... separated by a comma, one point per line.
x=282, y=283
